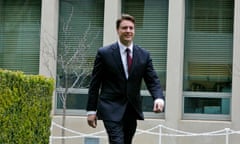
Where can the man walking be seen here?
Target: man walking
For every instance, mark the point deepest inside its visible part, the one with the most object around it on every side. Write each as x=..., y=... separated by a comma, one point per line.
x=114, y=92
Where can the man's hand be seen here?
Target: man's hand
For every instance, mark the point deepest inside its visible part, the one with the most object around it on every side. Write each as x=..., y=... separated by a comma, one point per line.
x=158, y=106
x=92, y=120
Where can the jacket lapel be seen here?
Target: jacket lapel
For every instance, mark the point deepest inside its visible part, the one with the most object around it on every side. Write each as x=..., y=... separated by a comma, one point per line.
x=117, y=57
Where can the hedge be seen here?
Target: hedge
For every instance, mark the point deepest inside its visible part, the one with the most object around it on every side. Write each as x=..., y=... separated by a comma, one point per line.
x=25, y=107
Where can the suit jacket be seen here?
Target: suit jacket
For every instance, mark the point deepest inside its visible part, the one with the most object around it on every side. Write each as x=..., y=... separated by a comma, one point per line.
x=110, y=90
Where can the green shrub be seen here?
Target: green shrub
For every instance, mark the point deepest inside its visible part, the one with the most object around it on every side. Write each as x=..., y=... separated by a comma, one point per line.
x=25, y=106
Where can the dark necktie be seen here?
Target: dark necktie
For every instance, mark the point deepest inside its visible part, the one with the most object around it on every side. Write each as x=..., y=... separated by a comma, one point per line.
x=129, y=59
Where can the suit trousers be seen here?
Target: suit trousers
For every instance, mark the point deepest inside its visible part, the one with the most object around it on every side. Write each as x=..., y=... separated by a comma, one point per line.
x=122, y=132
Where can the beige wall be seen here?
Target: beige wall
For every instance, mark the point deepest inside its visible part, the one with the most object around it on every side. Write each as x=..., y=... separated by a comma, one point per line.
x=173, y=114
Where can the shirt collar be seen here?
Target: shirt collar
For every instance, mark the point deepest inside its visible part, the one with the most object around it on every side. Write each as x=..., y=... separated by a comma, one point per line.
x=123, y=47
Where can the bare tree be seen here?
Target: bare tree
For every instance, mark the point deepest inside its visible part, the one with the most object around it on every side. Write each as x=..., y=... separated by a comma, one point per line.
x=73, y=61
x=73, y=64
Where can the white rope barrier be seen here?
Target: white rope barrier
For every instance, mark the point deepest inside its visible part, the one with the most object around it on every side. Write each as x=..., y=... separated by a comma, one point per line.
x=160, y=137
x=174, y=133
x=79, y=134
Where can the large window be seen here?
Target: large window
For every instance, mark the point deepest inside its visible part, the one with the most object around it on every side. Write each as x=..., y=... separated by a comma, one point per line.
x=208, y=58
x=80, y=35
x=151, y=33
x=20, y=35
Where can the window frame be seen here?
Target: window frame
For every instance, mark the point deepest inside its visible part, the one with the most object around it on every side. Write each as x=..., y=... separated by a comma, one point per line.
x=158, y=55
x=82, y=37
x=202, y=93
x=199, y=116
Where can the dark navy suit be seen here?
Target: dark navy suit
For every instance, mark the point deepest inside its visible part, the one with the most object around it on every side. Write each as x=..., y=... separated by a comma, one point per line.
x=111, y=93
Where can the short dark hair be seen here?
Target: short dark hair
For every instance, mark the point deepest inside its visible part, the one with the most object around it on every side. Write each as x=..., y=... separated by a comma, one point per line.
x=125, y=17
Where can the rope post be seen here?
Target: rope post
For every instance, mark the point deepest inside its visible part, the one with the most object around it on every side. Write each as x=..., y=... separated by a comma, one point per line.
x=160, y=134
x=227, y=135
x=50, y=137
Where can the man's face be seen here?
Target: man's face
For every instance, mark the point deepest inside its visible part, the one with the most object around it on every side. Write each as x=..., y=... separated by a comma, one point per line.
x=126, y=32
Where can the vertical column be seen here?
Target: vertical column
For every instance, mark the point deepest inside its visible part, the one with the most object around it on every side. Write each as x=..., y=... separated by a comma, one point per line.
x=49, y=38
x=112, y=11
x=236, y=73
x=175, y=63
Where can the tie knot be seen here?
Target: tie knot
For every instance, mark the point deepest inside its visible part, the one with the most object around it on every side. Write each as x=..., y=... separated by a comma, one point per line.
x=128, y=50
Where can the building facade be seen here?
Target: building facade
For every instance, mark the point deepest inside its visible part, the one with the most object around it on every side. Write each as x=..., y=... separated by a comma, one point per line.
x=194, y=45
